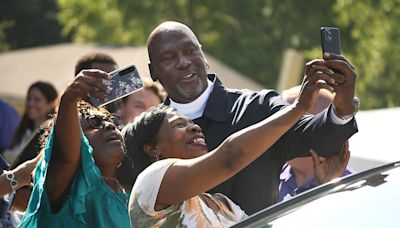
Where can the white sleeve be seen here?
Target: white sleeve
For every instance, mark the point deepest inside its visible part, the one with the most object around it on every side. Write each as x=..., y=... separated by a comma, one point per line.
x=239, y=213
x=147, y=185
x=336, y=120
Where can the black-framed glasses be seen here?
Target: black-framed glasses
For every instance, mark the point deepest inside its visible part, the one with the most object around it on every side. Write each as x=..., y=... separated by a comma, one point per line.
x=98, y=121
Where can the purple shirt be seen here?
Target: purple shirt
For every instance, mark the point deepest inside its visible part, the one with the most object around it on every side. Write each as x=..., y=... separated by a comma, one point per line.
x=9, y=120
x=288, y=186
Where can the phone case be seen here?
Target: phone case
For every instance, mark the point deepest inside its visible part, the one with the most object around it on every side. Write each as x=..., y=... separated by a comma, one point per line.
x=123, y=82
x=330, y=40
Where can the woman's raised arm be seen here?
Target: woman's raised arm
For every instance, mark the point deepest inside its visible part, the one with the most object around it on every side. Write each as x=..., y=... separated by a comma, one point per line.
x=65, y=158
x=195, y=176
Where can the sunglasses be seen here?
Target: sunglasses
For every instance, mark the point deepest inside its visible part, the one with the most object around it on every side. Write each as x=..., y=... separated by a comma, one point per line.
x=98, y=121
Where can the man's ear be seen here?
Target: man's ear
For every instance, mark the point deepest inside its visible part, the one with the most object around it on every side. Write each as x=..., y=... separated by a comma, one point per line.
x=207, y=65
x=152, y=72
x=151, y=150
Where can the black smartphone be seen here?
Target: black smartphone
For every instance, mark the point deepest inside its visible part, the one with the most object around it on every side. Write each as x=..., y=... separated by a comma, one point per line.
x=330, y=40
x=123, y=82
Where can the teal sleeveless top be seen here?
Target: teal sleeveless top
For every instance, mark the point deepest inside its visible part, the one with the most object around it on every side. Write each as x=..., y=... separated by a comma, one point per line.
x=90, y=202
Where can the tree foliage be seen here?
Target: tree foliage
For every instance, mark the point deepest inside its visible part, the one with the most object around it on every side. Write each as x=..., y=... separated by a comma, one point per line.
x=374, y=35
x=29, y=23
x=250, y=36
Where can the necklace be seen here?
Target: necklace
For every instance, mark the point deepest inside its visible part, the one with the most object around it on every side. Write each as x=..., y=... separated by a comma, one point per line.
x=114, y=184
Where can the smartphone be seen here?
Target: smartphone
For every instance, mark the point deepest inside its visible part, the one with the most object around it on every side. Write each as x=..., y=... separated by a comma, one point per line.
x=123, y=82
x=330, y=40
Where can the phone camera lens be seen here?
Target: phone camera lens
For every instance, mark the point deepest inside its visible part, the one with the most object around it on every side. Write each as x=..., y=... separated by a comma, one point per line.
x=328, y=35
x=127, y=71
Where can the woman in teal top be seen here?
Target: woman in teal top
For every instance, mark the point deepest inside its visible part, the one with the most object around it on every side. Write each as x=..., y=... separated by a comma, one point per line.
x=75, y=183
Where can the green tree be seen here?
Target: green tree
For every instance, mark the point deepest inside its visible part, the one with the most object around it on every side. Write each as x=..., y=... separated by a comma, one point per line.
x=251, y=36
x=29, y=23
x=373, y=27
x=248, y=36
x=4, y=46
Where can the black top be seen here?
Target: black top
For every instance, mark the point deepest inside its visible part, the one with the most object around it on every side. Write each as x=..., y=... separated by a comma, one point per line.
x=230, y=110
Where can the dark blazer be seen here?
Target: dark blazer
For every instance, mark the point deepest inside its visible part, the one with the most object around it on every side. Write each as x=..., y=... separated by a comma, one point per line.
x=230, y=110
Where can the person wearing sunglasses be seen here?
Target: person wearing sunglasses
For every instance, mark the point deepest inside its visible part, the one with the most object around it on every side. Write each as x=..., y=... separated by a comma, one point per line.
x=98, y=121
x=75, y=184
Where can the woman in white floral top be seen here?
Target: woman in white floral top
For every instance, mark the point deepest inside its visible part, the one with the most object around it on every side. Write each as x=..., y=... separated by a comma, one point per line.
x=173, y=168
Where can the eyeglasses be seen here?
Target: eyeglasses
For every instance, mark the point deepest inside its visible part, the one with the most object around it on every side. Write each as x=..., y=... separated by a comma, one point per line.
x=98, y=121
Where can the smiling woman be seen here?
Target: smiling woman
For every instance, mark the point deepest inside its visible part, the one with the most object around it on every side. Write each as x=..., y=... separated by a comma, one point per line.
x=41, y=104
x=173, y=169
x=75, y=180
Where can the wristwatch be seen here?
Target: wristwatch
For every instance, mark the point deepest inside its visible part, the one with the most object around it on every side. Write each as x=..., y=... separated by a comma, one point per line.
x=356, y=103
x=11, y=179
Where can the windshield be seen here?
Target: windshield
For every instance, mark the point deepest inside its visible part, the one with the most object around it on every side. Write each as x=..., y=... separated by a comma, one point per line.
x=373, y=202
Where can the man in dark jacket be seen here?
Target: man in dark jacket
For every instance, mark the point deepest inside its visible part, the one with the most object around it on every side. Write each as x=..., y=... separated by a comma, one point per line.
x=177, y=61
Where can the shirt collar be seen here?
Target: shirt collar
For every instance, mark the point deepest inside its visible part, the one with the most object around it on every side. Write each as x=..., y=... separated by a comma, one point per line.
x=217, y=102
x=286, y=173
x=195, y=108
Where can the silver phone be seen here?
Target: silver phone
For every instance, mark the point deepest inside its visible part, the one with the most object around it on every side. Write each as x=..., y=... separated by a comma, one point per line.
x=123, y=82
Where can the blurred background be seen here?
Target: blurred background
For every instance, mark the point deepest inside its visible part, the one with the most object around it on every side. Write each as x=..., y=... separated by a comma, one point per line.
x=261, y=43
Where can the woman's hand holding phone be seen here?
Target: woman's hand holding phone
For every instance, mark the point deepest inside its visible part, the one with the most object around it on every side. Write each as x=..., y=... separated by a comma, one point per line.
x=123, y=82
x=88, y=83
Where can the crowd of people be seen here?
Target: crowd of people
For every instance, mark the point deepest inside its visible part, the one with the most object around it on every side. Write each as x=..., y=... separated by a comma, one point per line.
x=201, y=155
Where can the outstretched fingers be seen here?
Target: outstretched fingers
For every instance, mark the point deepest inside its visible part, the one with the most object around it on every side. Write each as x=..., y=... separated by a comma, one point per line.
x=315, y=158
x=317, y=77
x=331, y=56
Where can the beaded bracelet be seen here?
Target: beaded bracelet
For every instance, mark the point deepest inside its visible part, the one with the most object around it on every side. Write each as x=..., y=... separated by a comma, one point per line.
x=11, y=179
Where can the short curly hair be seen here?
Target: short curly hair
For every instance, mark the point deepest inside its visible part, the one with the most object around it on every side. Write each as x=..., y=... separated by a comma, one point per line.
x=85, y=109
x=87, y=61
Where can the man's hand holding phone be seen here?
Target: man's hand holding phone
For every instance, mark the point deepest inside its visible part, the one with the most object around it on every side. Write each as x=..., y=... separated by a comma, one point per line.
x=344, y=73
x=345, y=90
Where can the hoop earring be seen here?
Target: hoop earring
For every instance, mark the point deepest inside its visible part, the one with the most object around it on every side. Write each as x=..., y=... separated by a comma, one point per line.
x=207, y=66
x=157, y=158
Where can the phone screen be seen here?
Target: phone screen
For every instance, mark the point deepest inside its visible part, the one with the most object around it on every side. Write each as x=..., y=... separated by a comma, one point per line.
x=123, y=82
x=330, y=40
